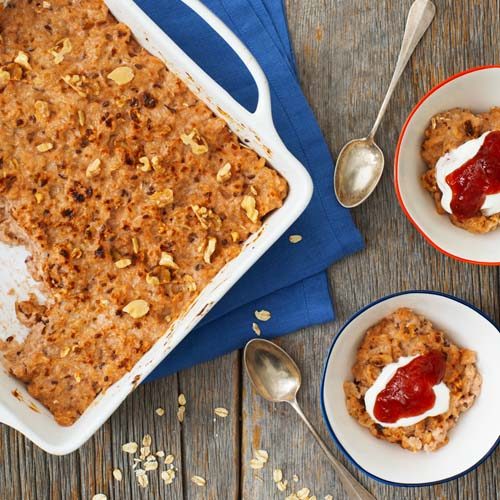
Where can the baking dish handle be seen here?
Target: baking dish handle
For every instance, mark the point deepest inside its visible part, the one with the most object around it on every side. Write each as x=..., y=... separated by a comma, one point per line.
x=263, y=113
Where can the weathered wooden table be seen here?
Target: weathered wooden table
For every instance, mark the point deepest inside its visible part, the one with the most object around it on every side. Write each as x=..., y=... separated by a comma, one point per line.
x=345, y=50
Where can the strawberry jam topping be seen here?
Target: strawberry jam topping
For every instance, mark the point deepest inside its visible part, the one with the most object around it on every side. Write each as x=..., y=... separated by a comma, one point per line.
x=477, y=178
x=409, y=393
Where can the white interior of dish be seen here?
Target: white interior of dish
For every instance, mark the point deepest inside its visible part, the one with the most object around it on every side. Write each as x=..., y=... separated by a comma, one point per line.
x=477, y=91
x=40, y=426
x=477, y=430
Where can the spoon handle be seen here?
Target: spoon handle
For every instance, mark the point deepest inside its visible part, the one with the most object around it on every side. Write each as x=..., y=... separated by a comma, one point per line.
x=352, y=487
x=419, y=19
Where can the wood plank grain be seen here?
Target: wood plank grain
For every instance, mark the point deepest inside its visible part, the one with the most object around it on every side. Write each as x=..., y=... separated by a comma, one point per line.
x=210, y=443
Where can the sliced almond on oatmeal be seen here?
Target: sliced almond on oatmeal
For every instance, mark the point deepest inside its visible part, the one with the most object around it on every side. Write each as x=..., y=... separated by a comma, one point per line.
x=44, y=147
x=81, y=118
x=41, y=111
x=201, y=214
x=122, y=75
x=221, y=412
x=145, y=164
x=224, y=173
x=123, y=263
x=23, y=60
x=117, y=474
x=163, y=198
x=65, y=352
x=295, y=238
x=248, y=205
x=209, y=250
x=198, y=480
x=130, y=447
x=155, y=163
x=137, y=308
x=4, y=77
x=151, y=279
x=62, y=48
x=94, y=168
x=75, y=82
x=76, y=253
x=167, y=260
x=263, y=315
x=256, y=328
x=135, y=245
x=235, y=236
x=197, y=143
x=190, y=283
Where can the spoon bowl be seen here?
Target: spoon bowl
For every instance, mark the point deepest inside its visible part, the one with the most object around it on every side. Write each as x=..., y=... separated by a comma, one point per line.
x=359, y=168
x=361, y=162
x=273, y=373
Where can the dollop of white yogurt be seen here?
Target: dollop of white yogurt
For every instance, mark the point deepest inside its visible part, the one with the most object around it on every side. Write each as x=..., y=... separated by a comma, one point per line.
x=452, y=161
x=441, y=391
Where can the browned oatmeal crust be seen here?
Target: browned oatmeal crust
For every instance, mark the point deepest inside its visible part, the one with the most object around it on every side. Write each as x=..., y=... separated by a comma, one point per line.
x=127, y=190
x=405, y=333
x=446, y=132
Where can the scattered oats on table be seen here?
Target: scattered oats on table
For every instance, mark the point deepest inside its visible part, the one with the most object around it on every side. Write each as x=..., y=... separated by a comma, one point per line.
x=130, y=447
x=198, y=480
x=221, y=412
x=277, y=475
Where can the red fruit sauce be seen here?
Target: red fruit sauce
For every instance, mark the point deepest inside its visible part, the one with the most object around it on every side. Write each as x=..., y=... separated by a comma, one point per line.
x=478, y=177
x=409, y=392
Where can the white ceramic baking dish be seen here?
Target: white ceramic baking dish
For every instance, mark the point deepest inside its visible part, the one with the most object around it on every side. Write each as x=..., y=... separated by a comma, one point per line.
x=17, y=408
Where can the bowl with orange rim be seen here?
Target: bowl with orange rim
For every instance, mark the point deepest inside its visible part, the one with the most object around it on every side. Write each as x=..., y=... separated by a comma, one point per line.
x=476, y=90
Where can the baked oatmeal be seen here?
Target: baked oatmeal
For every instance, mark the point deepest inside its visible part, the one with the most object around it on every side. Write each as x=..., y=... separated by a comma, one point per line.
x=447, y=132
x=128, y=192
x=406, y=334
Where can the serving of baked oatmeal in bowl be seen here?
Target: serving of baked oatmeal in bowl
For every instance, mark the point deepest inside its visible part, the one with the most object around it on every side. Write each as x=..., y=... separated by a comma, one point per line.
x=134, y=194
x=447, y=166
x=412, y=377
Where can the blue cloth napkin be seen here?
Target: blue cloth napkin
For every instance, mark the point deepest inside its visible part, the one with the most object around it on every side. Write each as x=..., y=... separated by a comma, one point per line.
x=289, y=280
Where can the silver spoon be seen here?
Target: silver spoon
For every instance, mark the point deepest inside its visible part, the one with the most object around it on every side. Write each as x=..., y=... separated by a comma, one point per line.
x=276, y=377
x=361, y=162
